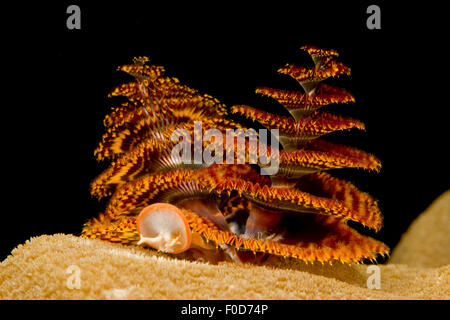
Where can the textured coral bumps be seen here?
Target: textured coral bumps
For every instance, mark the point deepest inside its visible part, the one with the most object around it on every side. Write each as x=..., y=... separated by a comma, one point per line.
x=233, y=212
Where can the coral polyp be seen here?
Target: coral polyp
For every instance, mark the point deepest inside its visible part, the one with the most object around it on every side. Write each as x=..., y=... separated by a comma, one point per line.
x=231, y=211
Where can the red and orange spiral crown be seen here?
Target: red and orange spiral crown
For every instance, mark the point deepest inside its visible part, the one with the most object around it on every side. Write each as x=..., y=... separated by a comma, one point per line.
x=306, y=209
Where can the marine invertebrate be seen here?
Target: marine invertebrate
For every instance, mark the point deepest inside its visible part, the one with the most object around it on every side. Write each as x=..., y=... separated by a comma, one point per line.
x=230, y=209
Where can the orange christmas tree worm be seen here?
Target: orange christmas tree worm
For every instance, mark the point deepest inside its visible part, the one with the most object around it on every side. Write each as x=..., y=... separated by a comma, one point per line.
x=231, y=209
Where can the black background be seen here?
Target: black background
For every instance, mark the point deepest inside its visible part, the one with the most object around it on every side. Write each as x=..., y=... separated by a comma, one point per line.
x=58, y=81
